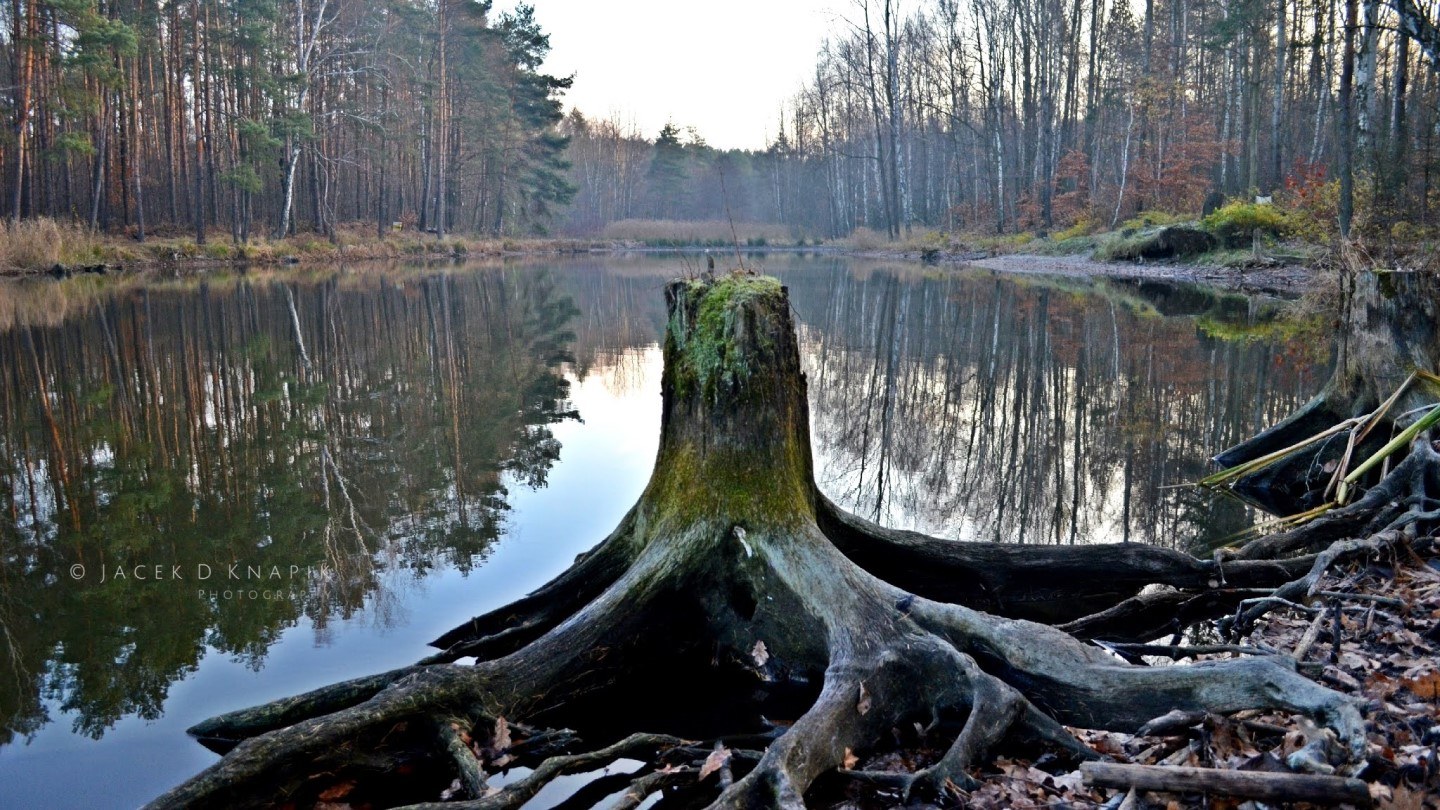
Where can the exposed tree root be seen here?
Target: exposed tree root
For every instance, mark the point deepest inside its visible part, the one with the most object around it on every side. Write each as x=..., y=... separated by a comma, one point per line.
x=1046, y=583
x=733, y=552
x=513, y=626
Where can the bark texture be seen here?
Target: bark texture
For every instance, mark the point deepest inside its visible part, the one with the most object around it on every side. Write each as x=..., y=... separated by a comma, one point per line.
x=733, y=557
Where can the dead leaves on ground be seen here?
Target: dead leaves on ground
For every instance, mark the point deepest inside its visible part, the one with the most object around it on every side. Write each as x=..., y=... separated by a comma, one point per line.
x=1386, y=655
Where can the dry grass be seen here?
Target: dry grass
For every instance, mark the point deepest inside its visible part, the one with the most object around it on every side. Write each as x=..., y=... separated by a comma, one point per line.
x=863, y=238
x=669, y=232
x=35, y=246
x=38, y=244
x=48, y=305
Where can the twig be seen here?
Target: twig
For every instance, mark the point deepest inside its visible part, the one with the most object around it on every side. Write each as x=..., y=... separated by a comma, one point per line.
x=1363, y=597
x=1336, y=632
x=1308, y=640
x=517, y=793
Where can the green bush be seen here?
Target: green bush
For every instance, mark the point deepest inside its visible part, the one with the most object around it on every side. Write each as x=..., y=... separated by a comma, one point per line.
x=1234, y=222
x=1082, y=228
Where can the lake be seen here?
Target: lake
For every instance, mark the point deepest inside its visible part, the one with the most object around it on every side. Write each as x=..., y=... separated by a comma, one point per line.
x=226, y=489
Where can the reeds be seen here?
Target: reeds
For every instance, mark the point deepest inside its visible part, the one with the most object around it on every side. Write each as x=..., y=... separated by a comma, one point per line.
x=1343, y=481
x=715, y=232
x=39, y=244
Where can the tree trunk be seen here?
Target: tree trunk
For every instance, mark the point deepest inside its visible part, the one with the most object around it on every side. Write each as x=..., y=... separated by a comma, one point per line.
x=1414, y=24
x=1366, y=94
x=1345, y=125
x=731, y=558
x=1276, y=175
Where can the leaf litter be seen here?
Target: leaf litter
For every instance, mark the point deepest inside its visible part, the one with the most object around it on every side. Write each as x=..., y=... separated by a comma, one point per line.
x=1387, y=656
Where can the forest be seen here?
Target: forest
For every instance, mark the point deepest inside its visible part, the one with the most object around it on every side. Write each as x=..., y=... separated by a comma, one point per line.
x=907, y=535
x=265, y=118
x=986, y=116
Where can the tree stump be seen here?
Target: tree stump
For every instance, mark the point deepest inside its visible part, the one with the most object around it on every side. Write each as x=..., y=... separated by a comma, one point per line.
x=732, y=550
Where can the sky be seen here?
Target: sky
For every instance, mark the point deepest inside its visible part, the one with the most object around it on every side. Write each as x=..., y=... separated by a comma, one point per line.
x=724, y=68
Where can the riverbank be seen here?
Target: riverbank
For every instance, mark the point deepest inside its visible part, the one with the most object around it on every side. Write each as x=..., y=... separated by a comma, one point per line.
x=42, y=247
x=47, y=248
x=1279, y=279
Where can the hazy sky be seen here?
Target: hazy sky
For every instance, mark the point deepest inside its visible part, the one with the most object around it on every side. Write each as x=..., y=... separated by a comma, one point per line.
x=724, y=68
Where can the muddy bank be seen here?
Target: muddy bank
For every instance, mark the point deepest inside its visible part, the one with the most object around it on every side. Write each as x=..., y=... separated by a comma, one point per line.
x=1283, y=280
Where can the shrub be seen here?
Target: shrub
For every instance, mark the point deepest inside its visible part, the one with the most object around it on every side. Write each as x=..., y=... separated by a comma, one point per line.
x=1312, y=202
x=1083, y=227
x=1005, y=243
x=1412, y=232
x=1234, y=222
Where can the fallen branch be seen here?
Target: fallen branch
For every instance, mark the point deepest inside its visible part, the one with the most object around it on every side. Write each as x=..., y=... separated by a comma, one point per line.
x=641, y=788
x=1276, y=787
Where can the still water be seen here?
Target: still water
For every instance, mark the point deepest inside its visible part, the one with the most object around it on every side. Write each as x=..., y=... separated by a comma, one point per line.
x=227, y=490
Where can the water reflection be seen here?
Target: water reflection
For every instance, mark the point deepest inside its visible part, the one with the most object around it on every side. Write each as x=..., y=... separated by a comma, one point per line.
x=365, y=424
x=276, y=447
x=983, y=408
x=1017, y=409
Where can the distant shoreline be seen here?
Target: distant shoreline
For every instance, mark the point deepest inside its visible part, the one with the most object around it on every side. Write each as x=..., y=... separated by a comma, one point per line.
x=183, y=255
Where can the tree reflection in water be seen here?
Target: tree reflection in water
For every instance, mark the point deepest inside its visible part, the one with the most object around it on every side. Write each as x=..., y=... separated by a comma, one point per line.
x=989, y=408
x=1010, y=408
x=359, y=428
x=365, y=424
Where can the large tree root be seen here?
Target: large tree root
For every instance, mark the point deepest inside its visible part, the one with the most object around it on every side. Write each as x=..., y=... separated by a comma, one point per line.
x=733, y=554
x=513, y=626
